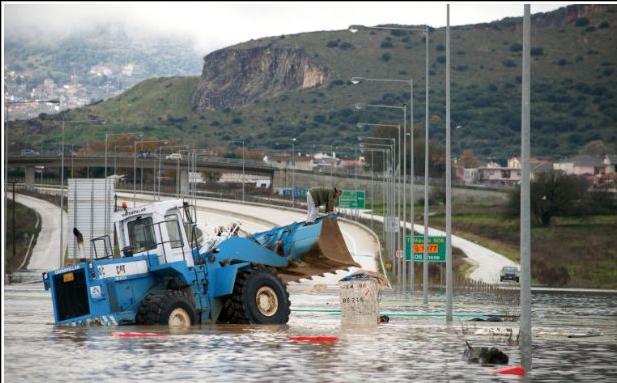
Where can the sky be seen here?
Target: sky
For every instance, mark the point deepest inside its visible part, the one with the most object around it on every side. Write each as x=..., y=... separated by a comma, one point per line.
x=215, y=25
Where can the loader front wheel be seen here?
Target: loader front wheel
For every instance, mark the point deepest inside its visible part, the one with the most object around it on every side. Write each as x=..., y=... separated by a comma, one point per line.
x=168, y=307
x=259, y=297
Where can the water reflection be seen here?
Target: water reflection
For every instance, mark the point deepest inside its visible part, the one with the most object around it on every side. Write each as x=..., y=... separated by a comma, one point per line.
x=416, y=344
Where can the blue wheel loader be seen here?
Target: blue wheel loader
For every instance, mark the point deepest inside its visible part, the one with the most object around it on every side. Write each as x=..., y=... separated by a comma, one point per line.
x=166, y=275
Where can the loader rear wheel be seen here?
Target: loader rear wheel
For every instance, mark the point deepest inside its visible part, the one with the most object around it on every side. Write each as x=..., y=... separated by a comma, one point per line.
x=259, y=297
x=168, y=307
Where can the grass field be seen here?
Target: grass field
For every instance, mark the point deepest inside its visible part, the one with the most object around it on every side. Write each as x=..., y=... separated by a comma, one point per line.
x=573, y=251
x=25, y=228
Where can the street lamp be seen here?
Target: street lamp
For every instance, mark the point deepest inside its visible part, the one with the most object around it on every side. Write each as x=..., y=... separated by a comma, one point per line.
x=402, y=266
x=135, y=165
x=358, y=80
x=387, y=192
x=293, y=171
x=425, y=30
x=403, y=108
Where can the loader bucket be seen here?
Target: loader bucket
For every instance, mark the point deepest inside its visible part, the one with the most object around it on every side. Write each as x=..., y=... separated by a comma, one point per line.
x=327, y=254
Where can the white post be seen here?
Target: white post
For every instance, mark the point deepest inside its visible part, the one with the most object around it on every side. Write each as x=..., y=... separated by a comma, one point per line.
x=61, y=199
x=412, y=271
x=426, y=156
x=448, y=179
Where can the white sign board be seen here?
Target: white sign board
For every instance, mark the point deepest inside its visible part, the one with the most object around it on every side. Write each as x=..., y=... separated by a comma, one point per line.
x=90, y=210
x=392, y=224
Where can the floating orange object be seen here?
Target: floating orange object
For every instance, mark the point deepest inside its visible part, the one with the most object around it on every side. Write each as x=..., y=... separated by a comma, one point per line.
x=316, y=339
x=511, y=370
x=135, y=333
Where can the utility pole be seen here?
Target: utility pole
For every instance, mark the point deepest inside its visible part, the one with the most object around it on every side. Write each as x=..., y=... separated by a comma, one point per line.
x=525, y=246
x=448, y=179
x=426, y=139
x=14, y=206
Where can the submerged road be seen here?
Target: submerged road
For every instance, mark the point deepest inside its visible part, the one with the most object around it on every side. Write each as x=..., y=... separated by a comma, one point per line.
x=46, y=251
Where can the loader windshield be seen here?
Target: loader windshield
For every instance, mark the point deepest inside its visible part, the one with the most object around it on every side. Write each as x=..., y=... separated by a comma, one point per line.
x=141, y=234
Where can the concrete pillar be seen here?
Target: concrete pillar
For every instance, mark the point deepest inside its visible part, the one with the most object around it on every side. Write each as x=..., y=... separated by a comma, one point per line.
x=184, y=182
x=30, y=177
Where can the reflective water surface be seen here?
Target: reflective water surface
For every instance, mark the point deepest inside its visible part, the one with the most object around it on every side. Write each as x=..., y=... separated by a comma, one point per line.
x=415, y=346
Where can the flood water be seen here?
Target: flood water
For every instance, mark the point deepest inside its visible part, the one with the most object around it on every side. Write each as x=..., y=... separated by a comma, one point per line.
x=415, y=346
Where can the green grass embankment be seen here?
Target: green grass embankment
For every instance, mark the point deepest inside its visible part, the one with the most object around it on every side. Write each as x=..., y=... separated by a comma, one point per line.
x=25, y=228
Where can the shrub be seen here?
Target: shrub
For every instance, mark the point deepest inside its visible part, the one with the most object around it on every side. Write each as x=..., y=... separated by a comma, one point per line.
x=345, y=45
x=563, y=62
x=441, y=59
x=397, y=32
x=236, y=121
x=320, y=118
x=581, y=22
x=509, y=63
x=516, y=47
x=461, y=68
x=338, y=82
x=603, y=25
x=536, y=51
x=590, y=29
x=332, y=44
x=386, y=44
x=440, y=48
x=492, y=88
x=386, y=57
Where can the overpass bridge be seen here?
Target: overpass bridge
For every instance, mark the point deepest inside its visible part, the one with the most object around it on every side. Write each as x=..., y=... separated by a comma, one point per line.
x=151, y=162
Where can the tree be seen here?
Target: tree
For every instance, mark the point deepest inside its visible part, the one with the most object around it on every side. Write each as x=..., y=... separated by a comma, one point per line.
x=594, y=148
x=552, y=193
x=468, y=159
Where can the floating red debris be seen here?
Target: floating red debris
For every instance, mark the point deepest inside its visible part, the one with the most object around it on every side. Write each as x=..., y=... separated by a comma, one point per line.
x=316, y=339
x=511, y=370
x=135, y=333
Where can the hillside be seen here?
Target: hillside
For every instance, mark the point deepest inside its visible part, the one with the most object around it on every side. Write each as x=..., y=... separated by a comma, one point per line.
x=262, y=96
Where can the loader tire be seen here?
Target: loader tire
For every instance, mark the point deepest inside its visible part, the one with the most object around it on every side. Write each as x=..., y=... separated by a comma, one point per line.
x=259, y=297
x=167, y=307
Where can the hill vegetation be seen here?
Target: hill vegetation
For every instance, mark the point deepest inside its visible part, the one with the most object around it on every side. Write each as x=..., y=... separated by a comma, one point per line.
x=573, y=95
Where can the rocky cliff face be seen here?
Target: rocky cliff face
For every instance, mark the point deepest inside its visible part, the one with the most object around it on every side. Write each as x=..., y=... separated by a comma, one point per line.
x=236, y=76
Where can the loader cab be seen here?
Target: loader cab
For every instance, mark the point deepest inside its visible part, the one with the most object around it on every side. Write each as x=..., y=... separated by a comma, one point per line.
x=157, y=228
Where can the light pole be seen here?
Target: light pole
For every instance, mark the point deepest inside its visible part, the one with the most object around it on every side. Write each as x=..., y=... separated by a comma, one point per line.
x=178, y=178
x=392, y=193
x=448, y=178
x=116, y=155
x=525, y=234
x=135, y=165
x=386, y=193
x=398, y=199
x=293, y=172
x=402, y=264
x=425, y=30
x=358, y=80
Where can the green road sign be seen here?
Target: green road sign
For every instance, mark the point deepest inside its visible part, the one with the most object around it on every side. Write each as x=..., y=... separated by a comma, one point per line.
x=352, y=199
x=436, y=248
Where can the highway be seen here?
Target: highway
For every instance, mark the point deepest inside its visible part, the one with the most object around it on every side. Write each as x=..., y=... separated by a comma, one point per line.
x=212, y=213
